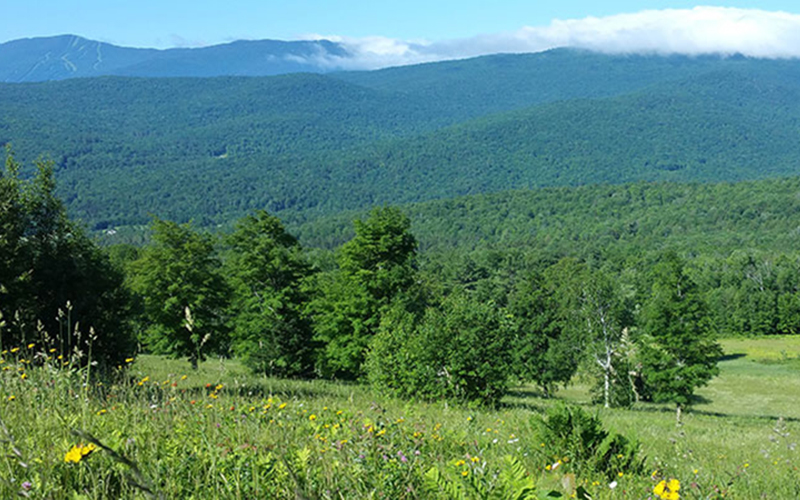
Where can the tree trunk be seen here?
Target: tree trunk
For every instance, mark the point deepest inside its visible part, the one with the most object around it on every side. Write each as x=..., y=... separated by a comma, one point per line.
x=678, y=413
x=607, y=386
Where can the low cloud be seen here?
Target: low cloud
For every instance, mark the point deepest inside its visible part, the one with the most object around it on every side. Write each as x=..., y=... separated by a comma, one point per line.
x=701, y=30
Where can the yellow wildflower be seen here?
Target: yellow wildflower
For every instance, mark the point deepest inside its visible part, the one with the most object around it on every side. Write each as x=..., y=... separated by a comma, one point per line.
x=475, y=460
x=668, y=490
x=79, y=452
x=129, y=360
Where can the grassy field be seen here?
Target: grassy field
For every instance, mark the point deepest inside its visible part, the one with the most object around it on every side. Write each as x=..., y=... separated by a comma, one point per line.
x=220, y=432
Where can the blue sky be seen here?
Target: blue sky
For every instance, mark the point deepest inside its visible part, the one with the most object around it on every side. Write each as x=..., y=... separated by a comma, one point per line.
x=168, y=23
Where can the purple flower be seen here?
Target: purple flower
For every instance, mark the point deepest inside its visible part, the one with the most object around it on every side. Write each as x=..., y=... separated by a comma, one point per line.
x=27, y=486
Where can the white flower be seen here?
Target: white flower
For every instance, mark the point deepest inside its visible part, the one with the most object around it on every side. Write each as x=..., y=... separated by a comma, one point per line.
x=612, y=485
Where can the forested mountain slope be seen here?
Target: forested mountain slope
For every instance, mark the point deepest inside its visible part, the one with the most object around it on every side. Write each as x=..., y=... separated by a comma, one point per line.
x=699, y=218
x=305, y=145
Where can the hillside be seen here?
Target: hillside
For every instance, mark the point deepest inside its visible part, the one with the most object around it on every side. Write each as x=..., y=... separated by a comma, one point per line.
x=702, y=218
x=70, y=56
x=305, y=145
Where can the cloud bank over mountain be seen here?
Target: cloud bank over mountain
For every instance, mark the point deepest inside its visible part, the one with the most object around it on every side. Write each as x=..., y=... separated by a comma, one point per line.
x=701, y=30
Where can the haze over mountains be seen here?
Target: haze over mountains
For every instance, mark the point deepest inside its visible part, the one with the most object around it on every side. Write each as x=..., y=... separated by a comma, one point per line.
x=310, y=145
x=70, y=56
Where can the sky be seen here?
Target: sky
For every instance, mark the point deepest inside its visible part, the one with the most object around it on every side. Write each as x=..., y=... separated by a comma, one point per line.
x=388, y=32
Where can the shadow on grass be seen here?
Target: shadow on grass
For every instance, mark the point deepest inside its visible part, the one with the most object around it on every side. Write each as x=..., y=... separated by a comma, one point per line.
x=732, y=356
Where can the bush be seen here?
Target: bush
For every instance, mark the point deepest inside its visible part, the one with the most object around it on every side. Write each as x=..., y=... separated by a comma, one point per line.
x=571, y=432
x=458, y=351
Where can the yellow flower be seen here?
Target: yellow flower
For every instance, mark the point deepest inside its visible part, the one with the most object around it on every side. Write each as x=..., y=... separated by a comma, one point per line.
x=102, y=412
x=668, y=490
x=465, y=473
x=30, y=346
x=312, y=417
x=12, y=397
x=23, y=376
x=129, y=360
x=79, y=452
x=282, y=406
x=15, y=349
x=475, y=460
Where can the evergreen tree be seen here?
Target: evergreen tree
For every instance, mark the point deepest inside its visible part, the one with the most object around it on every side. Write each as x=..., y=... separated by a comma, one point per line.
x=185, y=295
x=267, y=269
x=543, y=352
x=678, y=351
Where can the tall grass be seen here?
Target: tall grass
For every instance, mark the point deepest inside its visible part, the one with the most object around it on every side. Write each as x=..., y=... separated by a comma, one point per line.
x=162, y=430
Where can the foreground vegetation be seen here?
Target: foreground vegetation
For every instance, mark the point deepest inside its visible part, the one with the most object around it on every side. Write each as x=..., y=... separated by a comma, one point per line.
x=221, y=432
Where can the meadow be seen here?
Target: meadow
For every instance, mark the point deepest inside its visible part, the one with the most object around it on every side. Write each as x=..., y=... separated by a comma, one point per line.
x=162, y=430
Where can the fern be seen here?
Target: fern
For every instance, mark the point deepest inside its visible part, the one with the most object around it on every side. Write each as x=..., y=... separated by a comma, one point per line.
x=514, y=483
x=436, y=483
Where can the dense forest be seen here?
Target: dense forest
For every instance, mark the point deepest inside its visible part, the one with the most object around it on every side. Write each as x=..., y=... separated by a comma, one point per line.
x=304, y=146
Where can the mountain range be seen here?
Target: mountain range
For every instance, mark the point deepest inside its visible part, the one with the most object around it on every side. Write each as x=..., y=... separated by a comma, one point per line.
x=306, y=145
x=70, y=56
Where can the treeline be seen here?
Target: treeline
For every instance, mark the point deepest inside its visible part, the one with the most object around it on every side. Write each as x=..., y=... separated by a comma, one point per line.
x=460, y=325
x=449, y=329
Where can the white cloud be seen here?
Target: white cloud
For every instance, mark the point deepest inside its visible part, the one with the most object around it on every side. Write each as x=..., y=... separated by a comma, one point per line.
x=701, y=30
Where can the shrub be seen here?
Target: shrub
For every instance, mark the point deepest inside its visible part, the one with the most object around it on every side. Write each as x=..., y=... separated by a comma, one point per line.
x=458, y=350
x=572, y=432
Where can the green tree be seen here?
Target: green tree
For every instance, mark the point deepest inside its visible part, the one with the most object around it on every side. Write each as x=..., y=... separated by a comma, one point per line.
x=457, y=350
x=543, y=352
x=678, y=349
x=184, y=293
x=596, y=315
x=375, y=267
x=53, y=275
x=267, y=269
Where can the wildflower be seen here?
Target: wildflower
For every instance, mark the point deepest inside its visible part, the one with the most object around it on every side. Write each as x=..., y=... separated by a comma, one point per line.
x=12, y=397
x=282, y=406
x=129, y=360
x=219, y=387
x=27, y=486
x=460, y=463
x=25, y=375
x=183, y=377
x=102, y=412
x=142, y=382
x=79, y=452
x=465, y=473
x=312, y=417
x=30, y=346
x=612, y=484
x=668, y=490
x=15, y=349
x=475, y=460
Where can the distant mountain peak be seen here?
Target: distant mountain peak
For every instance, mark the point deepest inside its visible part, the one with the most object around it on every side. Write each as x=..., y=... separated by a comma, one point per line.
x=70, y=56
